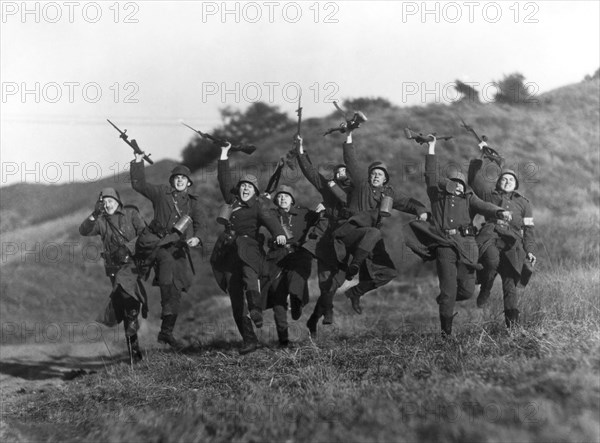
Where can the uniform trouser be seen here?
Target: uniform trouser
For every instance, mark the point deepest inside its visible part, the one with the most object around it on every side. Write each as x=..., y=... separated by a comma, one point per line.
x=494, y=263
x=329, y=275
x=170, y=294
x=364, y=238
x=251, y=284
x=376, y=271
x=457, y=281
x=239, y=306
x=129, y=309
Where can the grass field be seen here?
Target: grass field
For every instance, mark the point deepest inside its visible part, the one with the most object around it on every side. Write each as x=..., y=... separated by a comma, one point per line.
x=383, y=376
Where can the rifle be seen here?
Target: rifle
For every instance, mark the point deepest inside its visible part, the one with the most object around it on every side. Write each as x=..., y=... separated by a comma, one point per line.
x=348, y=124
x=131, y=143
x=485, y=150
x=246, y=149
x=422, y=139
x=299, y=112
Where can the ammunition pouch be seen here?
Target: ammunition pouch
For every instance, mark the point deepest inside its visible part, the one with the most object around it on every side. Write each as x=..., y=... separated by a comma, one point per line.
x=156, y=228
x=114, y=260
x=468, y=230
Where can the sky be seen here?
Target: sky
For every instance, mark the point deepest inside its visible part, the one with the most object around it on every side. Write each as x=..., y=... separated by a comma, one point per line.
x=65, y=67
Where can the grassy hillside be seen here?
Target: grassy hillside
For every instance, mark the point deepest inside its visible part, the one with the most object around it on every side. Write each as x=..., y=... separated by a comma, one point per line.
x=554, y=144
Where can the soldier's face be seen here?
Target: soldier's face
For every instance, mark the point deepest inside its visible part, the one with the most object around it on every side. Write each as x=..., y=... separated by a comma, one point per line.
x=340, y=174
x=180, y=182
x=110, y=205
x=284, y=201
x=507, y=183
x=247, y=191
x=460, y=188
x=377, y=178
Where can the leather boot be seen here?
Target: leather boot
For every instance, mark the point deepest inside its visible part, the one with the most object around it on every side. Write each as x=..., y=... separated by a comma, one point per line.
x=296, y=307
x=311, y=324
x=511, y=317
x=283, y=338
x=328, y=317
x=359, y=257
x=355, y=300
x=446, y=324
x=165, y=335
x=484, y=294
x=133, y=348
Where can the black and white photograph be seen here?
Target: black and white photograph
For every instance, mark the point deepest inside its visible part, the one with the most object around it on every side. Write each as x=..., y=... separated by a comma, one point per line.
x=303, y=221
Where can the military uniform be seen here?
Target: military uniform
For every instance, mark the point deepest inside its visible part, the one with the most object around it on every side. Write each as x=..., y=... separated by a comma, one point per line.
x=503, y=246
x=288, y=267
x=330, y=273
x=360, y=234
x=171, y=260
x=238, y=258
x=118, y=233
x=452, y=217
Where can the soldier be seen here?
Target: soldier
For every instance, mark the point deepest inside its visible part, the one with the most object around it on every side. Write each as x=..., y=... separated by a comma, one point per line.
x=453, y=206
x=360, y=234
x=507, y=248
x=237, y=257
x=168, y=238
x=288, y=267
x=118, y=226
x=330, y=273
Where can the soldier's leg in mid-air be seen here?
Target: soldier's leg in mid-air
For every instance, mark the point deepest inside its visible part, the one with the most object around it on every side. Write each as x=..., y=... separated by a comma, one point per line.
x=254, y=298
x=131, y=308
x=281, y=324
x=466, y=282
x=240, y=311
x=366, y=239
x=170, y=297
x=446, y=265
x=509, y=290
x=490, y=261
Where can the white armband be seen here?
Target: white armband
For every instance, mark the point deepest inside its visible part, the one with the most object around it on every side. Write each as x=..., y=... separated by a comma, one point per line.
x=528, y=221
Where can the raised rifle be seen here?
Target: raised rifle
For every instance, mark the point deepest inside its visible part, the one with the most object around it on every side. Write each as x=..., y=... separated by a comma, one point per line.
x=422, y=139
x=299, y=113
x=347, y=124
x=485, y=150
x=246, y=149
x=131, y=143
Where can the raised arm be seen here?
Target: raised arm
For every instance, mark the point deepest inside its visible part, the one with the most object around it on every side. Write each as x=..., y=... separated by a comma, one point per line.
x=307, y=168
x=407, y=204
x=224, y=175
x=354, y=170
x=90, y=225
x=138, y=180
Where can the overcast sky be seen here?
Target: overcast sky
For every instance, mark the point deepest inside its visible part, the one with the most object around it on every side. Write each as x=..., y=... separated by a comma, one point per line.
x=67, y=66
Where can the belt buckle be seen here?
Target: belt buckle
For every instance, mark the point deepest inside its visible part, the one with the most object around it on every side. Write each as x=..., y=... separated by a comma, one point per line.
x=451, y=231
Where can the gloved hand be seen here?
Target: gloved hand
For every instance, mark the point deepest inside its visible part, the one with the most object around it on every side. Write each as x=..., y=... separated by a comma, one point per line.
x=98, y=208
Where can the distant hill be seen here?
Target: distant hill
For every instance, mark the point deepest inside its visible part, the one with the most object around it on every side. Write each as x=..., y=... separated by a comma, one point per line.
x=554, y=144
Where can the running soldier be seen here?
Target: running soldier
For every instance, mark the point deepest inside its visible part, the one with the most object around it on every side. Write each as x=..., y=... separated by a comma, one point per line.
x=238, y=256
x=175, y=228
x=505, y=248
x=118, y=226
x=320, y=239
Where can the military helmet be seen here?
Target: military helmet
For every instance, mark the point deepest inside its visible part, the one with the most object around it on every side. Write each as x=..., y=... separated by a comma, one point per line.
x=248, y=178
x=181, y=170
x=510, y=172
x=382, y=166
x=111, y=192
x=285, y=190
x=456, y=175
